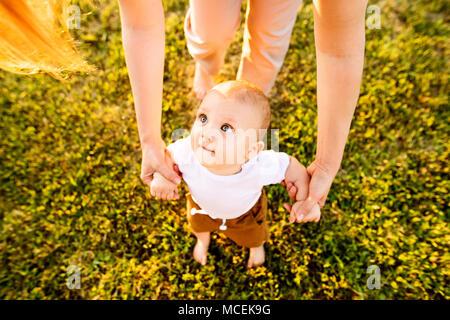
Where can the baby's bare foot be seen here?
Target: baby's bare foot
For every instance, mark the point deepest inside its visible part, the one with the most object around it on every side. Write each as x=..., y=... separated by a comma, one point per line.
x=201, y=247
x=256, y=257
x=203, y=81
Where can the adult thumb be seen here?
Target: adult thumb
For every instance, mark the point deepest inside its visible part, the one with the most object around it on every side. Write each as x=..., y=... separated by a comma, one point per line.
x=311, y=168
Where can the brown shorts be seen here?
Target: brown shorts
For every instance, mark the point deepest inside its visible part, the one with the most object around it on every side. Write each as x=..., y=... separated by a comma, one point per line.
x=248, y=230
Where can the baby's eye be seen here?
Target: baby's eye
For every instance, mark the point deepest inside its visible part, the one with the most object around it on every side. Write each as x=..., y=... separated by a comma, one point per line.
x=226, y=128
x=203, y=118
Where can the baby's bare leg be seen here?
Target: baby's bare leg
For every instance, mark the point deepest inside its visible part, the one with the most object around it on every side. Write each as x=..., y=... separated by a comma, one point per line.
x=256, y=256
x=201, y=247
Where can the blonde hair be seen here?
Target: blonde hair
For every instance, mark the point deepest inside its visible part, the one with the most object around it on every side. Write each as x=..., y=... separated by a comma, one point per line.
x=34, y=37
x=247, y=93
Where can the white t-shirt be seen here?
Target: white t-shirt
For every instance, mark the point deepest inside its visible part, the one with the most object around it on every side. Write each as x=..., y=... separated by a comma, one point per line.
x=228, y=197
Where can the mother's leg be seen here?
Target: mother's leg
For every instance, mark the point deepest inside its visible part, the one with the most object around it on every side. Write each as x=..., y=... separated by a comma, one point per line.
x=266, y=40
x=209, y=28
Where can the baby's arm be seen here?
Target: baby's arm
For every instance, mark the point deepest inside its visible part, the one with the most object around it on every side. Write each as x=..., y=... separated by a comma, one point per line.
x=297, y=175
x=161, y=188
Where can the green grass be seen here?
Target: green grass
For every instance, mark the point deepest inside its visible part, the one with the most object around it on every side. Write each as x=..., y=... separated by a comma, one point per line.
x=70, y=192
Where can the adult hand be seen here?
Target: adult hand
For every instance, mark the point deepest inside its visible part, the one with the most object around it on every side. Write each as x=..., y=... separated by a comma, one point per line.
x=313, y=214
x=319, y=186
x=156, y=158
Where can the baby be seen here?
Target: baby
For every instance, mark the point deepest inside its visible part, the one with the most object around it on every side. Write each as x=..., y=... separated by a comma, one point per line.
x=225, y=168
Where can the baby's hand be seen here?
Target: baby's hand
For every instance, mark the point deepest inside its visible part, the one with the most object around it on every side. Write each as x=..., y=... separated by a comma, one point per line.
x=161, y=188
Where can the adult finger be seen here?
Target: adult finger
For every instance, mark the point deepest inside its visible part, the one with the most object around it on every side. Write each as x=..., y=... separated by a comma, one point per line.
x=323, y=199
x=313, y=215
x=318, y=188
x=166, y=167
x=169, y=173
x=147, y=177
x=311, y=168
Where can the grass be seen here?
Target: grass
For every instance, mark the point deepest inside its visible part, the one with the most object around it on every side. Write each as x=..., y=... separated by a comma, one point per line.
x=70, y=192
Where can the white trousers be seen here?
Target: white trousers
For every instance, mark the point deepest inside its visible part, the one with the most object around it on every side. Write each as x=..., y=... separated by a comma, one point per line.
x=210, y=26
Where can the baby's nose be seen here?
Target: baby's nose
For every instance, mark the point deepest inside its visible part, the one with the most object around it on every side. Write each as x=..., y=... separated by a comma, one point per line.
x=208, y=135
x=205, y=139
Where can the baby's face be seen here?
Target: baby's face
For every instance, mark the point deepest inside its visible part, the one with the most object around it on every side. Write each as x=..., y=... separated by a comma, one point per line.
x=225, y=132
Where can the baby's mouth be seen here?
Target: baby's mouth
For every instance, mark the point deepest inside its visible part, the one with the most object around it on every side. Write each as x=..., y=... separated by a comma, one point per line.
x=206, y=149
